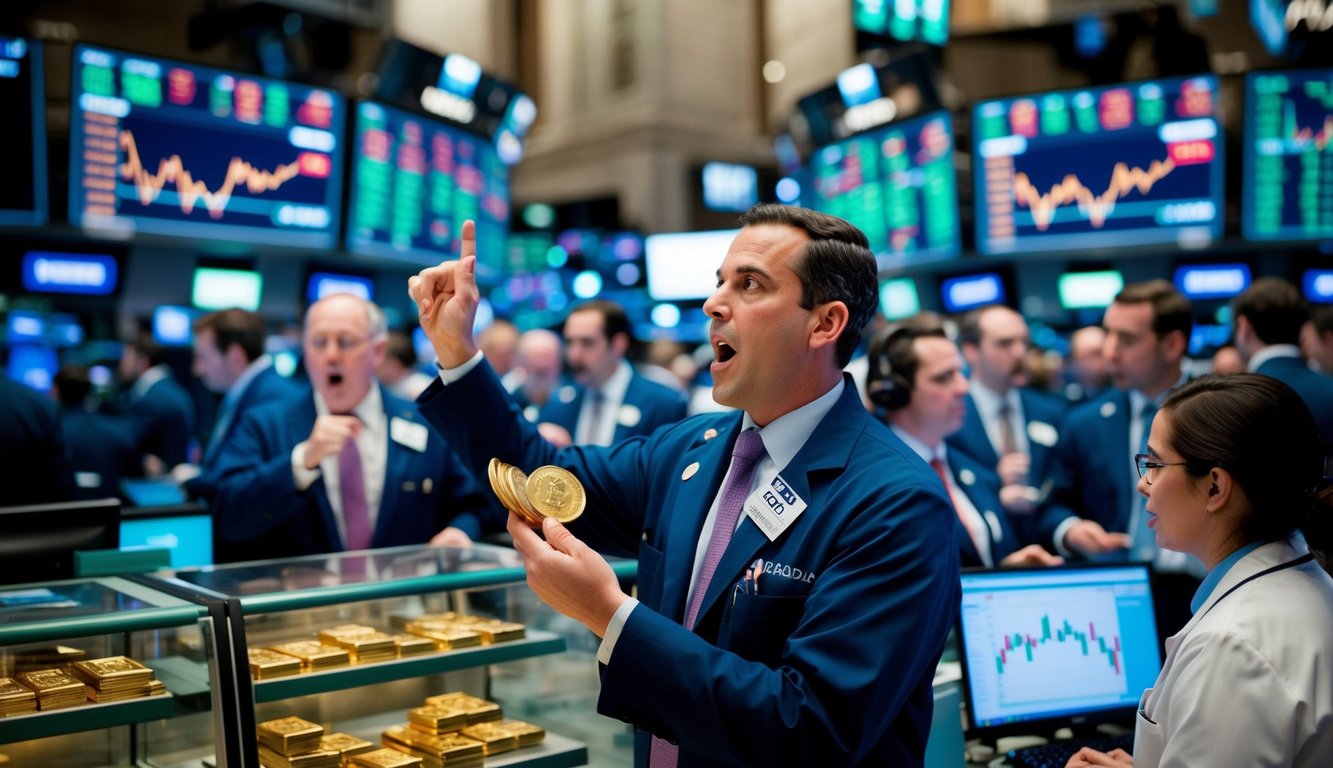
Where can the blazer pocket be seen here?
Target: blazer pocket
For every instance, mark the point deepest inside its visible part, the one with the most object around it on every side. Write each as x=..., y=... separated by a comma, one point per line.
x=648, y=578
x=757, y=626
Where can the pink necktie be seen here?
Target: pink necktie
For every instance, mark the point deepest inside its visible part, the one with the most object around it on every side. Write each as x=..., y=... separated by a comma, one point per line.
x=937, y=464
x=352, y=483
x=745, y=457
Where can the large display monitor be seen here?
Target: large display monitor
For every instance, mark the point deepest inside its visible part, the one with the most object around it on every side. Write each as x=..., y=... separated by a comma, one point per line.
x=926, y=20
x=178, y=149
x=1099, y=167
x=682, y=266
x=23, y=132
x=897, y=184
x=1288, y=166
x=415, y=180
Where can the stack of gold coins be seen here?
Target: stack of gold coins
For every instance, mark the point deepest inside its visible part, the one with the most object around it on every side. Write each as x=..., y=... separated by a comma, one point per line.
x=265, y=664
x=345, y=744
x=313, y=654
x=435, y=720
x=496, y=739
x=384, y=758
x=410, y=645
x=478, y=710
x=114, y=678
x=290, y=742
x=447, y=635
x=364, y=644
x=527, y=733
x=55, y=688
x=549, y=491
x=16, y=699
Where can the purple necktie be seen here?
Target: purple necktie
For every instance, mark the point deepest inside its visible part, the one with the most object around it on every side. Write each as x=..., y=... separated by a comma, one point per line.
x=352, y=483
x=745, y=456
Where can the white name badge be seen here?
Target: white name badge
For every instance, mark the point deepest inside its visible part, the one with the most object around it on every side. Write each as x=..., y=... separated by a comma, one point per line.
x=409, y=434
x=774, y=506
x=1042, y=433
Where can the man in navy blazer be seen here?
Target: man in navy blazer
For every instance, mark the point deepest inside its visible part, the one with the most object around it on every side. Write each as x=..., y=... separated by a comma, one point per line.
x=284, y=485
x=813, y=637
x=160, y=411
x=1007, y=426
x=915, y=382
x=608, y=401
x=1268, y=317
x=229, y=359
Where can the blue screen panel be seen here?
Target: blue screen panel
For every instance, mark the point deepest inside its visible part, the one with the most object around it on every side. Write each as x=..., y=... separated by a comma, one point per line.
x=926, y=20
x=178, y=149
x=970, y=291
x=1212, y=281
x=415, y=180
x=1288, y=170
x=189, y=538
x=33, y=365
x=1099, y=167
x=323, y=284
x=87, y=274
x=23, y=133
x=897, y=184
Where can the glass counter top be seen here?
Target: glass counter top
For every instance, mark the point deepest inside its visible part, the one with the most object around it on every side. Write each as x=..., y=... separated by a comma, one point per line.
x=86, y=607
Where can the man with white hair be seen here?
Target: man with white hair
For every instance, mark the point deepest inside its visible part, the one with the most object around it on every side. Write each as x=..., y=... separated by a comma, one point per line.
x=348, y=466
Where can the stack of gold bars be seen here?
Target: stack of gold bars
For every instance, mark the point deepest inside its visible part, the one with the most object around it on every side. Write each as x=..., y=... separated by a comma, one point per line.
x=314, y=655
x=411, y=645
x=345, y=744
x=446, y=635
x=55, y=688
x=459, y=729
x=116, y=678
x=549, y=491
x=16, y=699
x=435, y=749
x=364, y=644
x=266, y=664
x=384, y=758
x=290, y=742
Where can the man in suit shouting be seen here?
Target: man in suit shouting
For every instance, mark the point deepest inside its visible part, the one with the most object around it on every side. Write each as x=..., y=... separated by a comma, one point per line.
x=346, y=466
x=823, y=653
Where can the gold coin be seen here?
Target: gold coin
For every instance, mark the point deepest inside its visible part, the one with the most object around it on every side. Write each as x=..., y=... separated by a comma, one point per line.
x=556, y=492
x=518, y=487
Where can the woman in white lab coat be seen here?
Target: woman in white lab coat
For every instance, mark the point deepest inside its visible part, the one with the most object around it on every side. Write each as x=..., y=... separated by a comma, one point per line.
x=1232, y=476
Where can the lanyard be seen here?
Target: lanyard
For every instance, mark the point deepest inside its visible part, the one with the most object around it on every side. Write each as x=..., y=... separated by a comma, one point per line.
x=1302, y=560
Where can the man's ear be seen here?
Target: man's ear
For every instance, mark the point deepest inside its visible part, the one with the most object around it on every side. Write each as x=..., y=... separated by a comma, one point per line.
x=830, y=322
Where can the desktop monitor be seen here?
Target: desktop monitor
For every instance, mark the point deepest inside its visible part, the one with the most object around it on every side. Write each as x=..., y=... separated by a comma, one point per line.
x=40, y=539
x=83, y=274
x=174, y=326
x=172, y=148
x=963, y=292
x=1287, y=192
x=1103, y=167
x=1049, y=648
x=1317, y=285
x=729, y=187
x=23, y=133
x=898, y=298
x=185, y=530
x=33, y=365
x=925, y=20
x=1199, y=282
x=682, y=266
x=1089, y=290
x=220, y=288
x=897, y=184
x=322, y=283
x=415, y=180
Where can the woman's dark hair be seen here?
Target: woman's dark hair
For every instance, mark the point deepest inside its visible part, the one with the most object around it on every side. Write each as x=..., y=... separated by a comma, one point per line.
x=1259, y=430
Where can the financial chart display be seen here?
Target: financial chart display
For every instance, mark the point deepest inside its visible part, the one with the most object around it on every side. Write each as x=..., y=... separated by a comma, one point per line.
x=415, y=181
x=1288, y=167
x=23, y=132
x=170, y=148
x=926, y=20
x=896, y=183
x=1099, y=167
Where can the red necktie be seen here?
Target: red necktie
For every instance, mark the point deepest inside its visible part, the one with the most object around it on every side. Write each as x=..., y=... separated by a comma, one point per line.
x=937, y=464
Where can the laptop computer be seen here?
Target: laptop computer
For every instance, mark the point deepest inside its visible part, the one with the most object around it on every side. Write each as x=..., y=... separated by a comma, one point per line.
x=1044, y=649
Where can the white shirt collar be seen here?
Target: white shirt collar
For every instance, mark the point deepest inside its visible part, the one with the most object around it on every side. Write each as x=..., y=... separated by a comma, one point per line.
x=786, y=435
x=916, y=444
x=149, y=377
x=1272, y=352
x=613, y=391
x=989, y=401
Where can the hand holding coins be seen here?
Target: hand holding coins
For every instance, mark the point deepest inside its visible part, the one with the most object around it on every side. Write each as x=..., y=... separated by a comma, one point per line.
x=549, y=491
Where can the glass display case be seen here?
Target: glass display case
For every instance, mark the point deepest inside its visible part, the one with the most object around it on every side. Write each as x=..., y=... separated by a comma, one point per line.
x=489, y=637
x=70, y=640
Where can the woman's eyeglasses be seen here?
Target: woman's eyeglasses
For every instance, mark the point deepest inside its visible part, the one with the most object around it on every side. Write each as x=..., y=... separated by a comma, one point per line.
x=1148, y=468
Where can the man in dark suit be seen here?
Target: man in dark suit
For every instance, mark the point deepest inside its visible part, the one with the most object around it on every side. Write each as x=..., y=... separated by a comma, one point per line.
x=805, y=632
x=101, y=449
x=229, y=358
x=915, y=382
x=345, y=465
x=1095, y=509
x=1008, y=427
x=159, y=410
x=1268, y=317
x=34, y=468
x=609, y=401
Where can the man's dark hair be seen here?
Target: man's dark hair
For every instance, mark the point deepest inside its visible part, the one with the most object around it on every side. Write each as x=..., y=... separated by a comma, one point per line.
x=1323, y=319
x=836, y=265
x=72, y=385
x=614, y=319
x=1275, y=308
x=399, y=347
x=235, y=326
x=1171, y=311
x=969, y=326
x=144, y=344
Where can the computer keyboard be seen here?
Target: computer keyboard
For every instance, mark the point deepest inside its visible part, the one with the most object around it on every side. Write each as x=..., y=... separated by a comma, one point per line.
x=1056, y=753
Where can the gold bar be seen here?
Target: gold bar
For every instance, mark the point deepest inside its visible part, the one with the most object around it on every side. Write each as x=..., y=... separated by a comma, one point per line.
x=497, y=740
x=290, y=735
x=265, y=664
x=112, y=673
x=344, y=744
x=384, y=758
x=478, y=710
x=437, y=719
x=314, y=654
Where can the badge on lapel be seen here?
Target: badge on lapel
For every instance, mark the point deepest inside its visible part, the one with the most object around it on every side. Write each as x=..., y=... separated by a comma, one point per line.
x=1107, y=410
x=629, y=416
x=1042, y=433
x=408, y=434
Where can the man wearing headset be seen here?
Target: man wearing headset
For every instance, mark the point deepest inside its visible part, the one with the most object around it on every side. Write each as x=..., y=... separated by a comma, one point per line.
x=915, y=381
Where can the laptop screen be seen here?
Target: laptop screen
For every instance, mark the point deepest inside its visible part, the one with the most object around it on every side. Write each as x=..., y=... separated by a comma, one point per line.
x=1056, y=647
x=186, y=530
